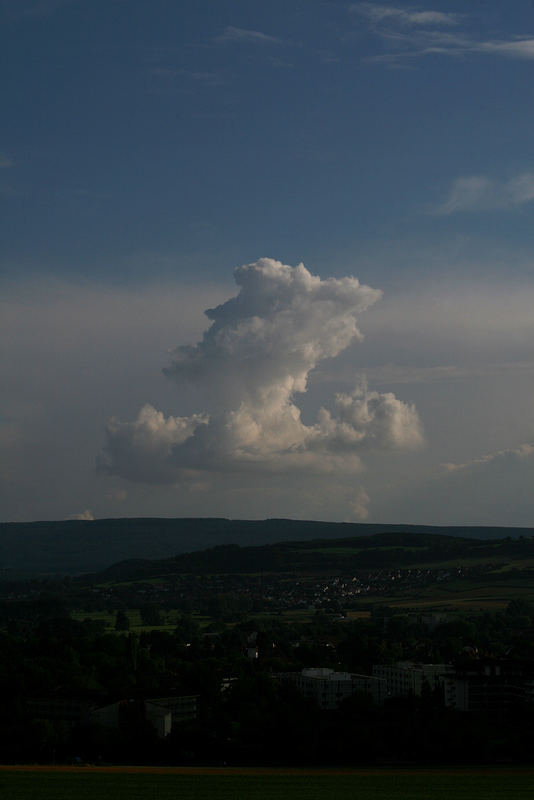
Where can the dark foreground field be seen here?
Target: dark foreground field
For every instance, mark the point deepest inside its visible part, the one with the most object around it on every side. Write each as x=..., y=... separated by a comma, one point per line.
x=86, y=783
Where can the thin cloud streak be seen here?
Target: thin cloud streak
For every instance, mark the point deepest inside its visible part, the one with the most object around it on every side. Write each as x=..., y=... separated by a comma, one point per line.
x=375, y=13
x=477, y=193
x=394, y=374
x=454, y=47
x=523, y=451
x=426, y=36
x=243, y=36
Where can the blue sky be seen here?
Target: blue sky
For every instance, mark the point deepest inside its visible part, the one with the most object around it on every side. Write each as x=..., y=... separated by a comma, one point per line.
x=148, y=149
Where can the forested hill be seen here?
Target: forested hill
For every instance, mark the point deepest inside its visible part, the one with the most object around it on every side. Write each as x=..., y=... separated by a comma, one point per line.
x=382, y=551
x=75, y=546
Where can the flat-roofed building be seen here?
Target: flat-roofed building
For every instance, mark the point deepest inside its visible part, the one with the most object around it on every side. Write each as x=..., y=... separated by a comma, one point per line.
x=161, y=712
x=489, y=685
x=409, y=677
x=329, y=688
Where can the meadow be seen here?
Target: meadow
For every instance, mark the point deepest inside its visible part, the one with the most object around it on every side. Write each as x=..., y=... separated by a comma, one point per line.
x=86, y=783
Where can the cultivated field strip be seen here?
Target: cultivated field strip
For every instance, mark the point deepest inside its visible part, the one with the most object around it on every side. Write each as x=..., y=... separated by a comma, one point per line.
x=248, y=783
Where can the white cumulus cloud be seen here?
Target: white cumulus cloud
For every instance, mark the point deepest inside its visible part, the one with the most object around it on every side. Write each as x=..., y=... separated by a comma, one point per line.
x=250, y=365
x=359, y=504
x=85, y=516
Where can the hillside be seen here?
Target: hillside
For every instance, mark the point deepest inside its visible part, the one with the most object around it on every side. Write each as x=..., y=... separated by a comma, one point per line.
x=381, y=551
x=80, y=546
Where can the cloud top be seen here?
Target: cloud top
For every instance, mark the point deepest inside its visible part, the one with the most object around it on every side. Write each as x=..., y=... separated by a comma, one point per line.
x=274, y=332
x=253, y=361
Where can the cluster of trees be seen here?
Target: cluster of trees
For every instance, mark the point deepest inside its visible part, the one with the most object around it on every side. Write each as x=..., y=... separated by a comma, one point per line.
x=46, y=654
x=381, y=550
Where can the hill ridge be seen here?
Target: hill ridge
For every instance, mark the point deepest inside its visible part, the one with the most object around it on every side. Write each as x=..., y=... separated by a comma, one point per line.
x=83, y=546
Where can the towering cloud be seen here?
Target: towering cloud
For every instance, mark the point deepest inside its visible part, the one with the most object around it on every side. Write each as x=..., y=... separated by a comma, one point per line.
x=255, y=359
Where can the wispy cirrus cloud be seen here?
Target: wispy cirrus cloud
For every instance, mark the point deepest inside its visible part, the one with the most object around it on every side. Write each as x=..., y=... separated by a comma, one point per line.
x=231, y=34
x=405, y=17
x=387, y=374
x=477, y=193
x=413, y=33
x=518, y=47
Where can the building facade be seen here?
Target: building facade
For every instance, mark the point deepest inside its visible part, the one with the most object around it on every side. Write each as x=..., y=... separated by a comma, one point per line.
x=409, y=678
x=329, y=688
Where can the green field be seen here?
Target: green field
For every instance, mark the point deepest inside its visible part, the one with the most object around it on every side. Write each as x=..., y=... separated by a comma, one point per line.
x=86, y=783
x=172, y=619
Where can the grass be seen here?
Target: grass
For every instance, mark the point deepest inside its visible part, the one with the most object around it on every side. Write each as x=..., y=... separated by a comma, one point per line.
x=172, y=619
x=303, y=615
x=87, y=783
